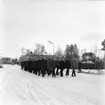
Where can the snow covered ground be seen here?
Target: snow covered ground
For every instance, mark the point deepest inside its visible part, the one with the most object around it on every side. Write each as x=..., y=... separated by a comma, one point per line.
x=18, y=87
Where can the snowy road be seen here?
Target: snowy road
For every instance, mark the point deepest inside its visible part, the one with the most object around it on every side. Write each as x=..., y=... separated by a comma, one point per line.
x=18, y=87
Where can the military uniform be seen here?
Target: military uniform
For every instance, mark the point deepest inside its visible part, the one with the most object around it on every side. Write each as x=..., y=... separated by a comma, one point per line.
x=79, y=66
x=73, y=68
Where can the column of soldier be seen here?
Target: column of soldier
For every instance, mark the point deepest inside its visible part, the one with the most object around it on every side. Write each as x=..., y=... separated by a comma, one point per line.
x=43, y=66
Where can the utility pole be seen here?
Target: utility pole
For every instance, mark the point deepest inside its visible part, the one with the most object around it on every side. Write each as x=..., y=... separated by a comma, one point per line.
x=53, y=46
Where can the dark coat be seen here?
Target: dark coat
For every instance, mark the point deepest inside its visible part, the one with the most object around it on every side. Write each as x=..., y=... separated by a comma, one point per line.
x=50, y=65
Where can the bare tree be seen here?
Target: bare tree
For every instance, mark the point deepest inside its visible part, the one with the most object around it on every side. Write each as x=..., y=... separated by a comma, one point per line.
x=23, y=50
x=59, y=52
x=72, y=51
x=103, y=44
x=40, y=49
x=28, y=51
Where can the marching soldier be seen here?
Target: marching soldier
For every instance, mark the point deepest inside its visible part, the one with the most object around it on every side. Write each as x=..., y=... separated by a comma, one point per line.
x=73, y=68
x=68, y=66
x=79, y=66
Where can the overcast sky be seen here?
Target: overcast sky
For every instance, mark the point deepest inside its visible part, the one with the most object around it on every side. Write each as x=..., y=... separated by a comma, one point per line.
x=23, y=23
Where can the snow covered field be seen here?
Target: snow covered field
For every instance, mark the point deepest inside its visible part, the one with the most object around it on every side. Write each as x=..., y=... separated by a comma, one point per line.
x=18, y=87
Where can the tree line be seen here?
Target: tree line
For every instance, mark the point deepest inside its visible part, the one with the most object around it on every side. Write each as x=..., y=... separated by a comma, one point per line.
x=8, y=60
x=71, y=52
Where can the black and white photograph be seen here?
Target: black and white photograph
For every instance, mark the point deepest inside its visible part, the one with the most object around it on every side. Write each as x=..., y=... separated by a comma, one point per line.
x=52, y=52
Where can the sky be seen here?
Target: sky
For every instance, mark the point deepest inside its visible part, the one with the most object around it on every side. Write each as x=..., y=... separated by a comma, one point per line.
x=24, y=23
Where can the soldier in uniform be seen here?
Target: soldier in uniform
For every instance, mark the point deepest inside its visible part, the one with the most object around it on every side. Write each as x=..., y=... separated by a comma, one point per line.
x=79, y=66
x=73, y=68
x=67, y=66
x=98, y=65
x=57, y=66
x=62, y=66
x=54, y=66
x=43, y=66
x=49, y=66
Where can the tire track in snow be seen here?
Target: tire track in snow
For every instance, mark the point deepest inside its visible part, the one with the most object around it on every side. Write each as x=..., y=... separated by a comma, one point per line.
x=34, y=91
x=46, y=97
x=39, y=90
x=78, y=97
x=3, y=83
x=23, y=92
x=36, y=94
x=75, y=96
x=63, y=99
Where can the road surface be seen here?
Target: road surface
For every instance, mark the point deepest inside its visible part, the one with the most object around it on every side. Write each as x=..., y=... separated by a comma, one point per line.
x=18, y=87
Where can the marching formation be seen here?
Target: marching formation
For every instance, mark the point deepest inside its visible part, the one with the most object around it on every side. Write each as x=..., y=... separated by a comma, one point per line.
x=50, y=66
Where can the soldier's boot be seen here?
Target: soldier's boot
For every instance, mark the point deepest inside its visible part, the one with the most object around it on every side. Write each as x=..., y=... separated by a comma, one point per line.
x=35, y=72
x=53, y=74
x=72, y=74
x=79, y=70
x=43, y=75
x=48, y=73
x=57, y=73
x=67, y=72
x=61, y=74
x=38, y=73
